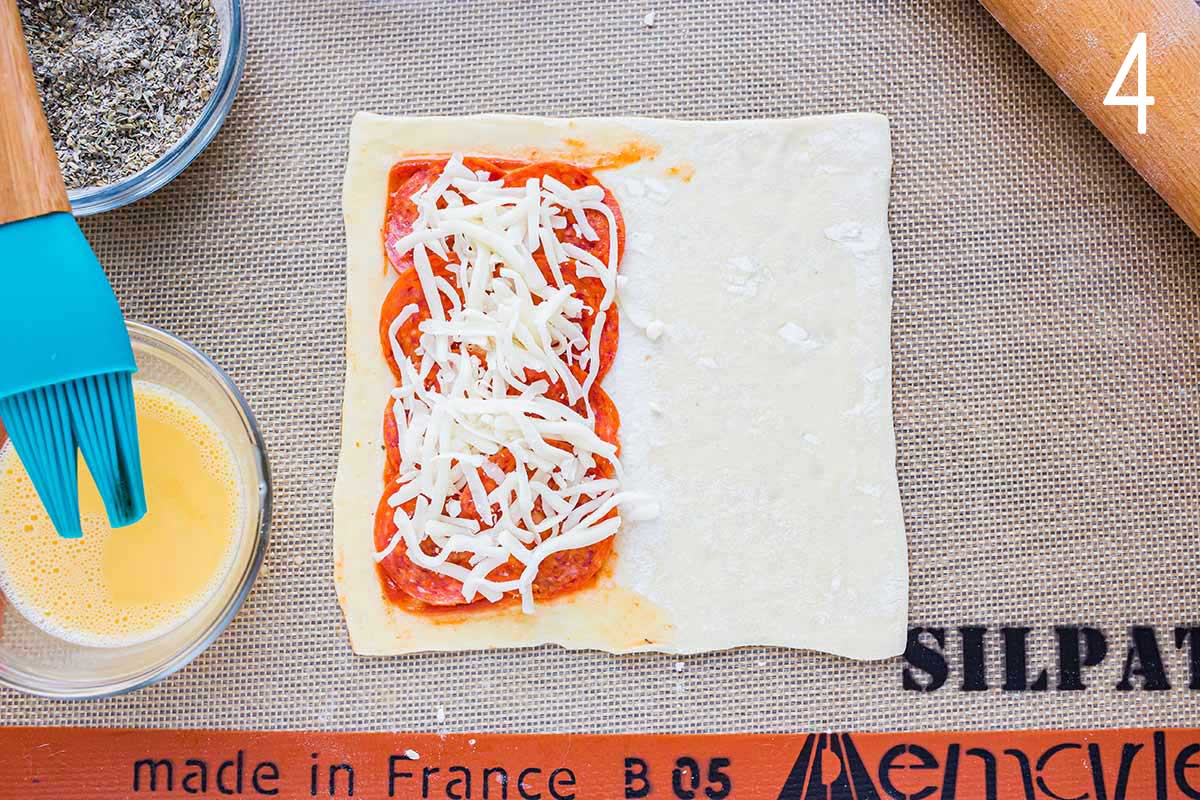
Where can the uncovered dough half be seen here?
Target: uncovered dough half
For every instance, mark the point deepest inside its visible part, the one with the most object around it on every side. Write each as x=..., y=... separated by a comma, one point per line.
x=753, y=379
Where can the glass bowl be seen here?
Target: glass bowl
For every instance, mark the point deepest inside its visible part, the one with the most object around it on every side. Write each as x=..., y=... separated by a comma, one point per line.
x=97, y=199
x=35, y=662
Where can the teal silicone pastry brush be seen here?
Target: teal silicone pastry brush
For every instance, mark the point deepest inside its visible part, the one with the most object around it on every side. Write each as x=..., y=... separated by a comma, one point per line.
x=66, y=364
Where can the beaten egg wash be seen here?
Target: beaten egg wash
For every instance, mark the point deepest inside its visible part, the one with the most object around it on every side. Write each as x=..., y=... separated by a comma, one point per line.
x=121, y=586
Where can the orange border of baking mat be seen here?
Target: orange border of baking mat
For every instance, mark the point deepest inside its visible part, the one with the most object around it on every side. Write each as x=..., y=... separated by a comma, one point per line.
x=100, y=764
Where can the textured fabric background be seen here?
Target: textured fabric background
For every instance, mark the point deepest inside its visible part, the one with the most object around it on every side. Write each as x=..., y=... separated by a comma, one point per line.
x=1047, y=343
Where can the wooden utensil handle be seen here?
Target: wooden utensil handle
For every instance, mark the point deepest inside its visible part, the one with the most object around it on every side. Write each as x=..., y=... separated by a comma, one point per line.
x=1083, y=43
x=30, y=181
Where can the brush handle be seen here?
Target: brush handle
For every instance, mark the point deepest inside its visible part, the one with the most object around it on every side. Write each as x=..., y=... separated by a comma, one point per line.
x=1082, y=43
x=30, y=181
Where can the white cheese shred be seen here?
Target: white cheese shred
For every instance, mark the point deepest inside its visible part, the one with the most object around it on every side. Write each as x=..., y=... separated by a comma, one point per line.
x=484, y=437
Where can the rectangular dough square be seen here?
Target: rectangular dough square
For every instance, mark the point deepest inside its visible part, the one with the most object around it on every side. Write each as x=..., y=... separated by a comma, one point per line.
x=758, y=416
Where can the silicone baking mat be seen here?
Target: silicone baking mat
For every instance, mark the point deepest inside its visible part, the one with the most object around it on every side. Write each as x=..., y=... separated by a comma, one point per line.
x=1046, y=338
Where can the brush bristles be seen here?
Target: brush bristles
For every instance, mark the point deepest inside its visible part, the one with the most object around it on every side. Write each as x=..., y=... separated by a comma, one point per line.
x=39, y=424
x=104, y=419
x=95, y=415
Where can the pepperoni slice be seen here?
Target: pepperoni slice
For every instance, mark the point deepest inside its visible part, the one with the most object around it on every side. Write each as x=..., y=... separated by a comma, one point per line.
x=575, y=178
x=608, y=421
x=406, y=179
x=608, y=351
x=407, y=291
x=505, y=461
x=609, y=336
x=415, y=581
x=419, y=583
x=591, y=291
x=569, y=569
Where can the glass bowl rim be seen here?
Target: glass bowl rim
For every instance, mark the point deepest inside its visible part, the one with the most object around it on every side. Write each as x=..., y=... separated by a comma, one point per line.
x=162, y=341
x=89, y=200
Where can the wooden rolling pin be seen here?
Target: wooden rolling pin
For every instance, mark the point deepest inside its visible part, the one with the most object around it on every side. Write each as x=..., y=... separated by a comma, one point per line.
x=1082, y=44
x=30, y=183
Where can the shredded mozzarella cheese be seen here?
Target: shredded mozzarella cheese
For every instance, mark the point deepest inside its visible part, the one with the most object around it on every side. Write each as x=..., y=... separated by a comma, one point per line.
x=503, y=318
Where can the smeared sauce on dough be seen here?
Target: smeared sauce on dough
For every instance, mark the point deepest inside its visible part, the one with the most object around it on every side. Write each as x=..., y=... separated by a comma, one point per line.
x=633, y=151
x=684, y=172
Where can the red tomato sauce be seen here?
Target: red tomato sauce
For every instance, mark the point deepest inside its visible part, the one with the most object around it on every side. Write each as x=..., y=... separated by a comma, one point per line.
x=405, y=583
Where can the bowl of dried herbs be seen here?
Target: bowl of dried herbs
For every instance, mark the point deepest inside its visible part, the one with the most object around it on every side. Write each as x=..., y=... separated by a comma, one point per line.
x=133, y=90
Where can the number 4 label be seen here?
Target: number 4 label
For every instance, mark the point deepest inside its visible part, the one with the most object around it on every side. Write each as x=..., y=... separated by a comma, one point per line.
x=1137, y=52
